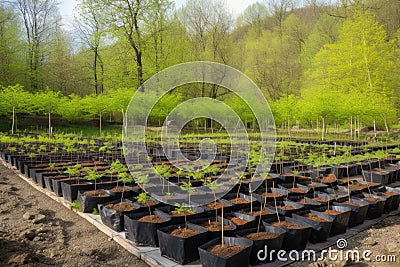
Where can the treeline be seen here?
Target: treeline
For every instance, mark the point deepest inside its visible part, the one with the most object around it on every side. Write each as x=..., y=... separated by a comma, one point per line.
x=319, y=63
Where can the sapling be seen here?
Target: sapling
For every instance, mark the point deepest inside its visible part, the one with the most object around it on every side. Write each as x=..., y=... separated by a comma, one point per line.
x=167, y=174
x=143, y=198
x=52, y=166
x=74, y=171
x=294, y=172
x=242, y=177
x=214, y=186
x=124, y=178
x=180, y=172
x=276, y=207
x=92, y=175
x=187, y=186
x=180, y=209
x=222, y=227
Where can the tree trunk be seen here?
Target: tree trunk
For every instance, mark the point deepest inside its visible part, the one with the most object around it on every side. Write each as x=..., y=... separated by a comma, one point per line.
x=100, y=123
x=386, y=126
x=351, y=128
x=13, y=120
x=96, y=82
x=124, y=122
x=375, y=134
x=140, y=70
x=49, y=124
x=323, y=128
x=355, y=128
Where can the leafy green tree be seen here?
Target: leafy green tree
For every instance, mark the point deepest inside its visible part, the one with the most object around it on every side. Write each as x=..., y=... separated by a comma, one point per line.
x=49, y=103
x=360, y=63
x=97, y=105
x=15, y=100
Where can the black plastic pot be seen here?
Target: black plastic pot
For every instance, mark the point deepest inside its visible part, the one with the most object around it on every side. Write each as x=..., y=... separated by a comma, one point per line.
x=316, y=173
x=70, y=190
x=128, y=193
x=313, y=205
x=144, y=233
x=392, y=202
x=320, y=230
x=295, y=239
x=339, y=195
x=115, y=219
x=299, y=208
x=179, y=219
x=48, y=181
x=239, y=206
x=88, y=203
x=216, y=234
x=381, y=177
x=252, y=222
x=296, y=195
x=339, y=171
x=181, y=250
x=270, y=217
x=340, y=221
x=228, y=207
x=240, y=259
x=264, y=245
x=375, y=208
x=258, y=195
x=358, y=213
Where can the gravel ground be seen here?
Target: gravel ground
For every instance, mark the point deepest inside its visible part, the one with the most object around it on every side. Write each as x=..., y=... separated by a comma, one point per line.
x=37, y=231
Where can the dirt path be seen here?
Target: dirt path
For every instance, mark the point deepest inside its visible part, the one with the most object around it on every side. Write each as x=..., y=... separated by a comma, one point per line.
x=37, y=231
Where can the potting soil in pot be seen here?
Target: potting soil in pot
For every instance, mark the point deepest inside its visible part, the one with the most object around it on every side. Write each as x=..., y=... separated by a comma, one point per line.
x=151, y=219
x=121, y=207
x=225, y=251
x=257, y=213
x=297, y=190
x=315, y=217
x=239, y=201
x=238, y=221
x=261, y=236
x=332, y=212
x=216, y=206
x=286, y=207
x=215, y=226
x=184, y=233
x=288, y=225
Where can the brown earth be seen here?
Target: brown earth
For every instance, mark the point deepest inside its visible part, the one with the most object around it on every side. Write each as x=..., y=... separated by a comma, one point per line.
x=225, y=251
x=37, y=231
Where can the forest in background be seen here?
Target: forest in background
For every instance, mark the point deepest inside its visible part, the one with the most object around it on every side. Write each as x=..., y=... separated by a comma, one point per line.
x=320, y=64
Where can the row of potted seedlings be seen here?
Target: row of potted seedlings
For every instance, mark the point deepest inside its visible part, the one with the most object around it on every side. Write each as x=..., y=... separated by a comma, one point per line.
x=288, y=211
x=232, y=230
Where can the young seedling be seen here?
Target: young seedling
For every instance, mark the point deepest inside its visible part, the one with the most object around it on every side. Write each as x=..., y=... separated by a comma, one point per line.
x=92, y=175
x=187, y=186
x=52, y=166
x=180, y=172
x=180, y=209
x=74, y=171
x=242, y=177
x=124, y=178
x=276, y=207
x=143, y=199
x=214, y=186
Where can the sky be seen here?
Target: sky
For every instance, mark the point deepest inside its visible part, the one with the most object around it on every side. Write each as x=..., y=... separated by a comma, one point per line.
x=67, y=7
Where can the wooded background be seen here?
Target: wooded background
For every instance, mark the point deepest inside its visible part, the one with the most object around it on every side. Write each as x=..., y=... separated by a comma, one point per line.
x=318, y=62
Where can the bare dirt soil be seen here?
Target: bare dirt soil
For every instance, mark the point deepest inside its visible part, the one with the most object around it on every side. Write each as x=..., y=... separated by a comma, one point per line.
x=383, y=240
x=37, y=231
